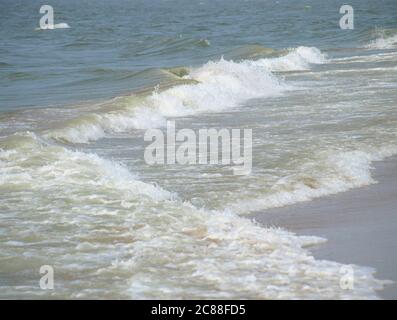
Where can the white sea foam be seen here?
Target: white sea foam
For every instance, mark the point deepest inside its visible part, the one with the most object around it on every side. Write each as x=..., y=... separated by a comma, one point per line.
x=378, y=57
x=96, y=220
x=339, y=172
x=221, y=85
x=383, y=41
x=297, y=59
x=356, y=70
x=65, y=167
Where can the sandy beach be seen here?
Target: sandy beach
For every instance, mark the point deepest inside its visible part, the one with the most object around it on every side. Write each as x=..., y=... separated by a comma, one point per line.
x=360, y=225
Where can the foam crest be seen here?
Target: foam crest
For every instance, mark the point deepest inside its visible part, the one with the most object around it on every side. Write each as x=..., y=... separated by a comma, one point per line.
x=233, y=259
x=218, y=85
x=26, y=160
x=336, y=172
x=386, y=39
x=297, y=59
x=99, y=220
x=221, y=85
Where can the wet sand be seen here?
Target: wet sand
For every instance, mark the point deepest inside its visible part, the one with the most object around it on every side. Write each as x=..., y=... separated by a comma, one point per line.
x=360, y=225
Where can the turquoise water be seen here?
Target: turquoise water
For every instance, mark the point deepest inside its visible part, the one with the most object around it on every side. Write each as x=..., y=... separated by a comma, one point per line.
x=77, y=194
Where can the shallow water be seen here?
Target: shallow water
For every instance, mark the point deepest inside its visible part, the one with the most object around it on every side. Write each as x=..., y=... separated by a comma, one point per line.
x=77, y=194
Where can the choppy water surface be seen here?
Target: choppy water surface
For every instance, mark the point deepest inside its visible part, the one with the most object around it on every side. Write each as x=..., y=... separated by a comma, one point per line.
x=76, y=193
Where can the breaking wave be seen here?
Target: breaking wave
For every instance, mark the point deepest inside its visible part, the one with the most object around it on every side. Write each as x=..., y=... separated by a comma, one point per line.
x=385, y=39
x=337, y=172
x=297, y=59
x=115, y=228
x=218, y=85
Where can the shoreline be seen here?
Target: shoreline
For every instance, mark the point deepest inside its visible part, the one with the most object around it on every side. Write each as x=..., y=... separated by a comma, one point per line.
x=360, y=225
